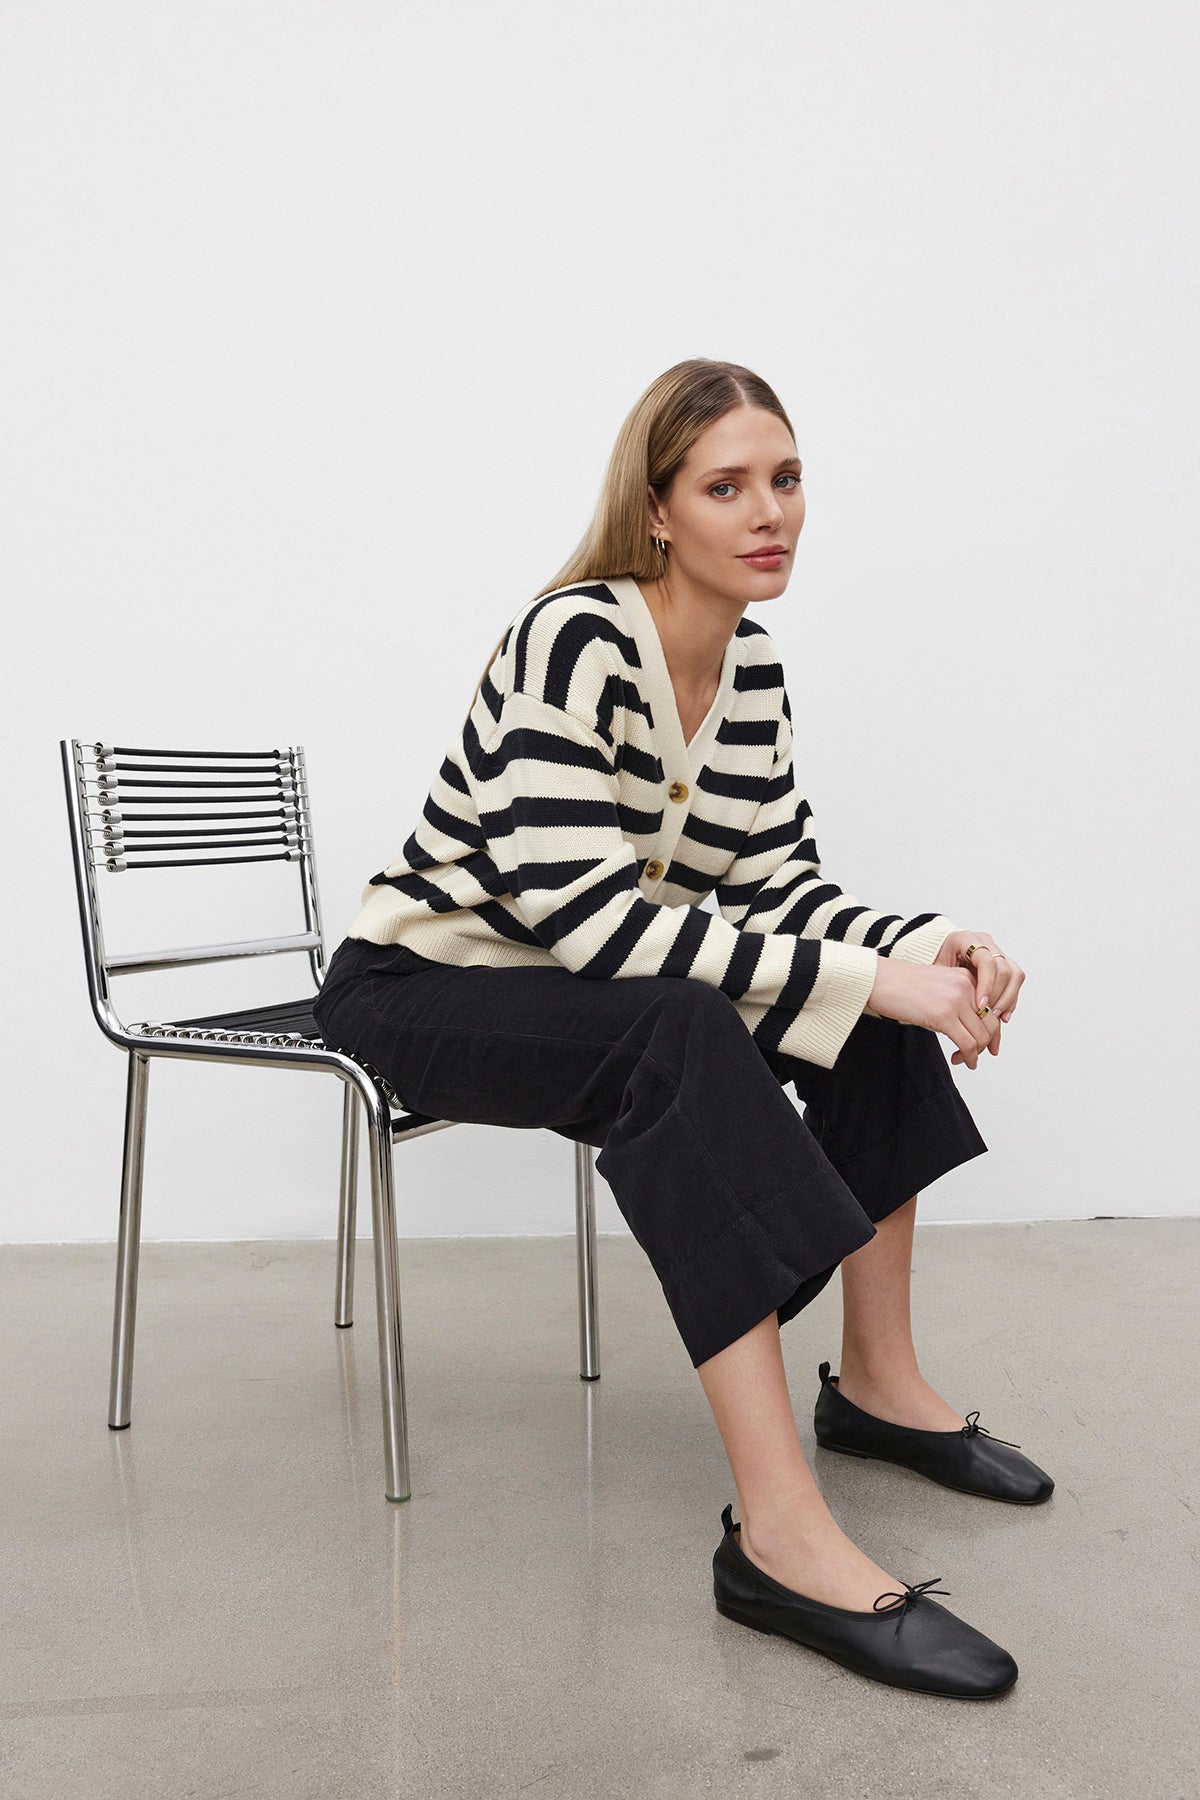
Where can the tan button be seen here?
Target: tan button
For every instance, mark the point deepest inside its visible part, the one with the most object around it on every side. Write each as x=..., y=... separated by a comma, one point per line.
x=654, y=870
x=678, y=790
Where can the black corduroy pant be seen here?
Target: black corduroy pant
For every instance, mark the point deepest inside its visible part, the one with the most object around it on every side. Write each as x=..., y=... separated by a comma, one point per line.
x=742, y=1206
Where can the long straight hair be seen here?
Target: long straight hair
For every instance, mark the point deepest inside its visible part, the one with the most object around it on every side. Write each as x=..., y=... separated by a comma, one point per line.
x=651, y=448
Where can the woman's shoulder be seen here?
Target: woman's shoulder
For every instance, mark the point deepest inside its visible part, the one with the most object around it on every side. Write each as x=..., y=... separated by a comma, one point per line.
x=564, y=643
x=760, y=671
x=588, y=611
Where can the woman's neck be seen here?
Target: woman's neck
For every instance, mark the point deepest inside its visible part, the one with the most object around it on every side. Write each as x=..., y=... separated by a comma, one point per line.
x=694, y=633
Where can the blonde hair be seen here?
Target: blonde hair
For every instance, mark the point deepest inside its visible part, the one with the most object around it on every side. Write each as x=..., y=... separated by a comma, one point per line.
x=651, y=448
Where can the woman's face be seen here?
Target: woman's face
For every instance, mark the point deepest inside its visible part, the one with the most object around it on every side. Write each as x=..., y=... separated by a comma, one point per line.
x=738, y=491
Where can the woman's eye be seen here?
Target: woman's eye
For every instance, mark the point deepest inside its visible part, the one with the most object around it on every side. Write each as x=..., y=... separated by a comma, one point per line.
x=728, y=484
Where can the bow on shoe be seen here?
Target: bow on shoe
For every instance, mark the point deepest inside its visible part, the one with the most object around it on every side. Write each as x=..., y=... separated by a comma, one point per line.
x=972, y=1426
x=911, y=1592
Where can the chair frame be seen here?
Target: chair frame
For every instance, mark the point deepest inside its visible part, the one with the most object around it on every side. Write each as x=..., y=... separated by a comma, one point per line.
x=103, y=840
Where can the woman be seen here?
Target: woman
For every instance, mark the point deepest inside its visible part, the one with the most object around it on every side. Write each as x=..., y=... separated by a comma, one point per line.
x=537, y=957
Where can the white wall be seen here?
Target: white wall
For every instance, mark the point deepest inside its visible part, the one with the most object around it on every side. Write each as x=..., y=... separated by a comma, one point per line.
x=319, y=322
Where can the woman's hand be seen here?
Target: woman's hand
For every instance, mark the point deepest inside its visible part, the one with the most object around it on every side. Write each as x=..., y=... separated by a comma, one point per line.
x=998, y=980
x=941, y=999
x=948, y=994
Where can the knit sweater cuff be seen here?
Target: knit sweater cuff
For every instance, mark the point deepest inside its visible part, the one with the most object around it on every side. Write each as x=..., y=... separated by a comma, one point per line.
x=923, y=944
x=841, y=990
x=919, y=946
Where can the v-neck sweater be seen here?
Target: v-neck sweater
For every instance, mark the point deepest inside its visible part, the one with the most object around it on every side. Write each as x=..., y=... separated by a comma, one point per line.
x=570, y=825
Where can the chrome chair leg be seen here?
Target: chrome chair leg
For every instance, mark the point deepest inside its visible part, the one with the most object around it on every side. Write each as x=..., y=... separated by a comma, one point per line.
x=585, y=1246
x=343, y=1300
x=387, y=1297
x=129, y=1237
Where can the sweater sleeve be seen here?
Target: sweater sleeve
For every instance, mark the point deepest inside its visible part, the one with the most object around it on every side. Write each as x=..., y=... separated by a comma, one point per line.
x=545, y=786
x=774, y=883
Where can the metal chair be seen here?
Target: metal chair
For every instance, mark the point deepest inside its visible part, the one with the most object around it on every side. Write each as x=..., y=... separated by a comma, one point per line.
x=138, y=809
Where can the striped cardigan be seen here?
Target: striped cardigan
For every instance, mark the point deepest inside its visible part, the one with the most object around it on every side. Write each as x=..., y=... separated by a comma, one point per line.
x=572, y=825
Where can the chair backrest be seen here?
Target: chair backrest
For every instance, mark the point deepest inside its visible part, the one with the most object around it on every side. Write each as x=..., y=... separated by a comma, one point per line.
x=134, y=809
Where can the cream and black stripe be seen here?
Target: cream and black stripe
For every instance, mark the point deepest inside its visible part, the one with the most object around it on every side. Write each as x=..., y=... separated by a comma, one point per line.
x=571, y=824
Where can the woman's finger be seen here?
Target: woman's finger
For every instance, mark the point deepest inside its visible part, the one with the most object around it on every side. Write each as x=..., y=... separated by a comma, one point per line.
x=990, y=976
x=991, y=1024
x=1006, y=1002
x=977, y=1032
x=997, y=979
x=1008, y=983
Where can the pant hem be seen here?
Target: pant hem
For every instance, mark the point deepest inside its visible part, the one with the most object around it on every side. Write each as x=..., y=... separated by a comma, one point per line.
x=742, y=1266
x=889, y=1173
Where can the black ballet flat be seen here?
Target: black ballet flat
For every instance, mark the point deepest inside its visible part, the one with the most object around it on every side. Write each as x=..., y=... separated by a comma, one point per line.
x=969, y=1460
x=916, y=1644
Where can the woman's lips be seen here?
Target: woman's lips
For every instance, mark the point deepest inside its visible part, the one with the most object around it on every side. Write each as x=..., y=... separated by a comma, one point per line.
x=765, y=559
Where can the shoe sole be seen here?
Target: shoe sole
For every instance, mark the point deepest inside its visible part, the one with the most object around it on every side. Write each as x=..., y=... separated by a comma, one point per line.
x=979, y=1493
x=741, y=1618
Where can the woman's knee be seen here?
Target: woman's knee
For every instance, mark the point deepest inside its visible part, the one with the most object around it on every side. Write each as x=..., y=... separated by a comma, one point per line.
x=697, y=1013
x=698, y=1037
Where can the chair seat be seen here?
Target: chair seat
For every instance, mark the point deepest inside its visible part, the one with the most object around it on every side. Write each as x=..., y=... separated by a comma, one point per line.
x=286, y=1018
x=285, y=1022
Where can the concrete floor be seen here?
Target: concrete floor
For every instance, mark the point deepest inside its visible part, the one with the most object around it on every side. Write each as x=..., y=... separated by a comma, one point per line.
x=220, y=1601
